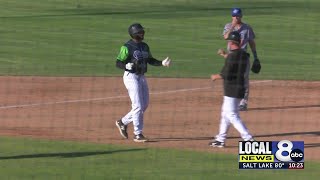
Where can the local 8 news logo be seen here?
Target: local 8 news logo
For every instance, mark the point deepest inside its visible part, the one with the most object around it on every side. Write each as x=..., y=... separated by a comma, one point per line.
x=271, y=151
x=288, y=151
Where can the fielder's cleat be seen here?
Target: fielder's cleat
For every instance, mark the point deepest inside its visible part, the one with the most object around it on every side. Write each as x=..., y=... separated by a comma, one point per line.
x=122, y=128
x=252, y=139
x=140, y=138
x=243, y=107
x=216, y=144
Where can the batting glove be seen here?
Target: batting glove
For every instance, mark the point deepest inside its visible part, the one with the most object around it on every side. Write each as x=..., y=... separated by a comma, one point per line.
x=129, y=66
x=166, y=62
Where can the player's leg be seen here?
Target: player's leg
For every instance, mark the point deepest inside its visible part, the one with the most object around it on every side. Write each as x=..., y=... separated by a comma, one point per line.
x=122, y=123
x=137, y=114
x=224, y=125
x=244, y=102
x=130, y=83
x=234, y=117
x=144, y=96
x=133, y=86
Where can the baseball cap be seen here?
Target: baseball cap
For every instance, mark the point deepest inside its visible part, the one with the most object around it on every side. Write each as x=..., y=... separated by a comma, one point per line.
x=234, y=36
x=236, y=12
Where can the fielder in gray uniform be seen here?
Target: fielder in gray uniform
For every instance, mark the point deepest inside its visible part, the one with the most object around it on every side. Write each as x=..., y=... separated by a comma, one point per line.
x=247, y=37
x=133, y=59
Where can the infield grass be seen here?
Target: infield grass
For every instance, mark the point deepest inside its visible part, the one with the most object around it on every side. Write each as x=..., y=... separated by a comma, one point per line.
x=23, y=158
x=83, y=38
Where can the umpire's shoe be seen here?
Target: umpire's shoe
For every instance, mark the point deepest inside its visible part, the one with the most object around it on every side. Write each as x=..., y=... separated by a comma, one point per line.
x=122, y=128
x=216, y=144
x=140, y=138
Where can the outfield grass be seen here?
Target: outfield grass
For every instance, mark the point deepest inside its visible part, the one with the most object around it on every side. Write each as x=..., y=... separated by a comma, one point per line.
x=82, y=37
x=42, y=159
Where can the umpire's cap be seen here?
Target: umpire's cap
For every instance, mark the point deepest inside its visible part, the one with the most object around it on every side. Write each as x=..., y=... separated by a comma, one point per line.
x=135, y=28
x=236, y=12
x=234, y=36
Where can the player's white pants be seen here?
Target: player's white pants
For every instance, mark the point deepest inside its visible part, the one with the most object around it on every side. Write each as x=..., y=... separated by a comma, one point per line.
x=244, y=101
x=230, y=115
x=139, y=95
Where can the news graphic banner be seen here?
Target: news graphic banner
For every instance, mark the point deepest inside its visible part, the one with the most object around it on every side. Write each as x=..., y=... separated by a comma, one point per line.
x=283, y=154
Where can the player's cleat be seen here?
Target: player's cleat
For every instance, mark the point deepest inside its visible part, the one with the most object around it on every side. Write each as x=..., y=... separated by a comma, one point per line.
x=252, y=139
x=216, y=144
x=243, y=107
x=122, y=128
x=140, y=138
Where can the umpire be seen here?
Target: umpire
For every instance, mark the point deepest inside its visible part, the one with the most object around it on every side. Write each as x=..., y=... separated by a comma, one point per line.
x=234, y=89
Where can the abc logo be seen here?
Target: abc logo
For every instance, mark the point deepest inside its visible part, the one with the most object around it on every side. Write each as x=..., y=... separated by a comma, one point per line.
x=285, y=152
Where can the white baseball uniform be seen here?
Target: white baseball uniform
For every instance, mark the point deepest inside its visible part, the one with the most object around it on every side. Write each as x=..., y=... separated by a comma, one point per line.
x=137, y=55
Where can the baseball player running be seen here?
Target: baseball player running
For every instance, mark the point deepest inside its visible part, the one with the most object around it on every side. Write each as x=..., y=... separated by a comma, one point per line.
x=133, y=59
x=247, y=36
x=233, y=77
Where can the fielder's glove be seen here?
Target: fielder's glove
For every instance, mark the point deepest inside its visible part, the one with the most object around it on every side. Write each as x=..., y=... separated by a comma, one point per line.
x=256, y=66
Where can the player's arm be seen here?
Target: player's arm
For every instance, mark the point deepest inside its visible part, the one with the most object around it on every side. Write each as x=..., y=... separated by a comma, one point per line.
x=222, y=53
x=216, y=77
x=221, y=75
x=252, y=43
x=228, y=28
x=122, y=58
x=155, y=62
x=226, y=35
x=224, y=71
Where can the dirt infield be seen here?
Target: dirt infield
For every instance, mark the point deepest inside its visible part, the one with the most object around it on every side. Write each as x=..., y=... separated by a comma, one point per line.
x=183, y=113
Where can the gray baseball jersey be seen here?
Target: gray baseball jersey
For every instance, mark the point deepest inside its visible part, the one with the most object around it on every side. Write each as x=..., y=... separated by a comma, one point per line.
x=245, y=31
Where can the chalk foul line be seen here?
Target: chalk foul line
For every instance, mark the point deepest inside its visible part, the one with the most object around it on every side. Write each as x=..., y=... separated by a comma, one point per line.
x=108, y=98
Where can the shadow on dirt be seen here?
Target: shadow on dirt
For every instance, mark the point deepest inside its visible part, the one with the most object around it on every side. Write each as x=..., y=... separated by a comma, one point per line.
x=283, y=107
x=308, y=133
x=70, y=154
